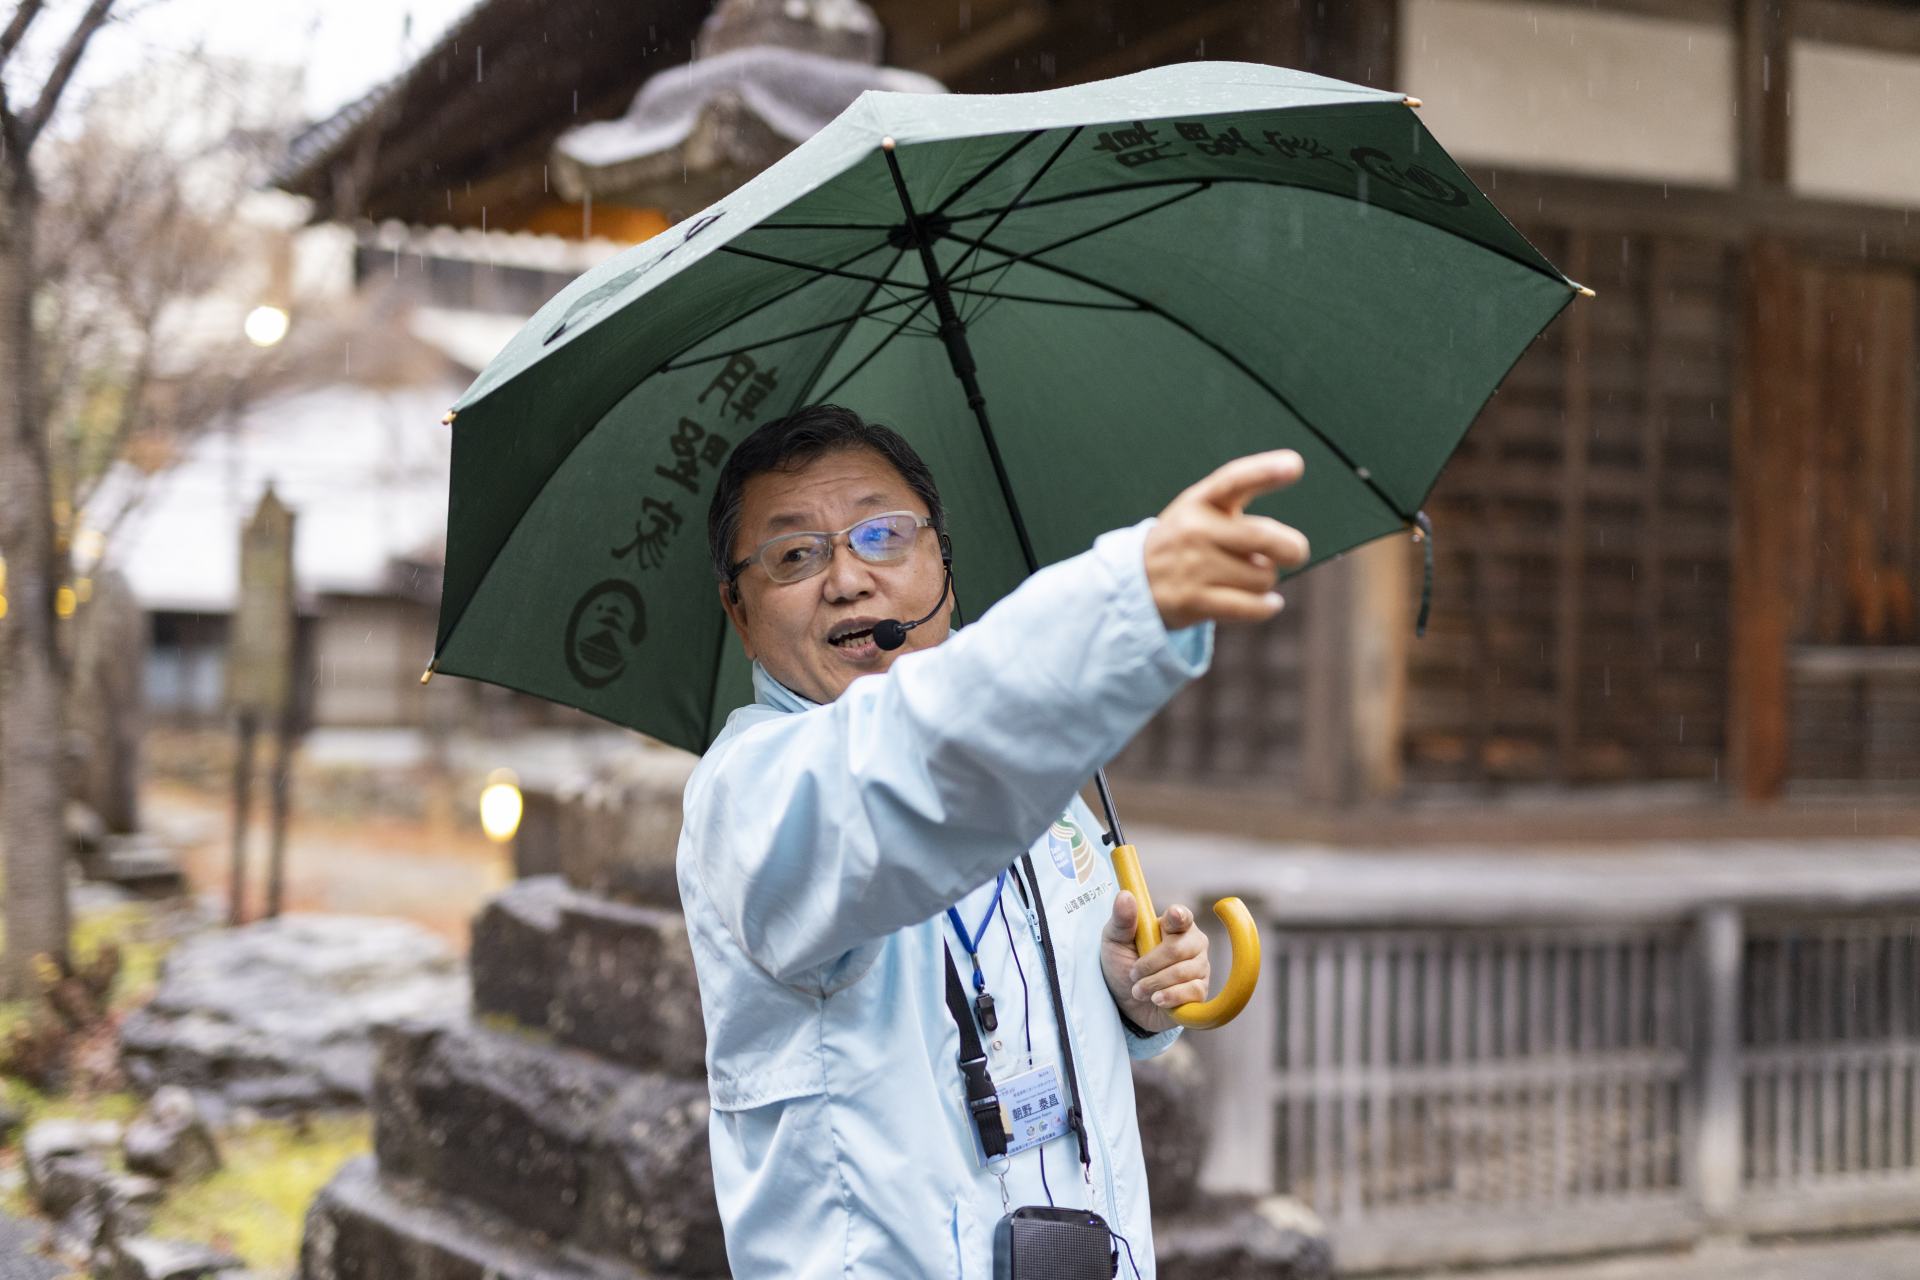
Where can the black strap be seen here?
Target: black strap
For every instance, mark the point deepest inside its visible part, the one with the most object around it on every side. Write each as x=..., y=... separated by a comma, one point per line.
x=983, y=1101
x=1074, y=1118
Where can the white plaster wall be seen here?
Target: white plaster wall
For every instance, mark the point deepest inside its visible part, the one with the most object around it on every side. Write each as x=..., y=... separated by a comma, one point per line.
x=1550, y=87
x=1854, y=120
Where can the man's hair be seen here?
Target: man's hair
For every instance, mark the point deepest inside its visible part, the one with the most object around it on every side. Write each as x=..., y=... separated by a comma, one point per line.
x=789, y=443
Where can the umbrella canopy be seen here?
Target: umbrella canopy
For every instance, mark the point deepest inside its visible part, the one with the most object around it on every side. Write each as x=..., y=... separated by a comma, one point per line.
x=1152, y=274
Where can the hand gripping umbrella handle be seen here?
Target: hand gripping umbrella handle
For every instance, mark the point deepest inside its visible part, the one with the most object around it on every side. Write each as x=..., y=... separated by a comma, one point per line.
x=1202, y=1015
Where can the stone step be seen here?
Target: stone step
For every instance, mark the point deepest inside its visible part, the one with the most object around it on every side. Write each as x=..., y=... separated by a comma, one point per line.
x=607, y=1160
x=610, y=977
x=365, y=1226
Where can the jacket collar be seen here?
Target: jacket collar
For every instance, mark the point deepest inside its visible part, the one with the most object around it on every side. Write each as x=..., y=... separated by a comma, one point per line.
x=769, y=692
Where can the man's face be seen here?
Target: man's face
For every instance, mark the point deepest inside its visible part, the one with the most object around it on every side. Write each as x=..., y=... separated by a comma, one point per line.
x=792, y=628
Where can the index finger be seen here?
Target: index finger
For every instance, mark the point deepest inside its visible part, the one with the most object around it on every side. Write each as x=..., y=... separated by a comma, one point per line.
x=1234, y=484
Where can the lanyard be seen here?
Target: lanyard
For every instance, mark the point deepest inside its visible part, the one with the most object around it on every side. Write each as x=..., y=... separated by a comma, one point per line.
x=982, y=1002
x=983, y=1101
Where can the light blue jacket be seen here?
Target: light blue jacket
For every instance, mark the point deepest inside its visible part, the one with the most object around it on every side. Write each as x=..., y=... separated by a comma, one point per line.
x=822, y=844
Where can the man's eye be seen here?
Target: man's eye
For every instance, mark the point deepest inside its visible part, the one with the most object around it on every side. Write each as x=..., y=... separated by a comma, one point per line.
x=795, y=554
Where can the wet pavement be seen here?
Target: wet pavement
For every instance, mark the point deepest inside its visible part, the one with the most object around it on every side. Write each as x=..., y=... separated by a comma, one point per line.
x=19, y=1255
x=1880, y=1257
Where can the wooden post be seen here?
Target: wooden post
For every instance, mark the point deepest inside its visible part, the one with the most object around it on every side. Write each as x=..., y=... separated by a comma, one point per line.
x=1767, y=431
x=277, y=848
x=1717, y=1154
x=242, y=802
x=260, y=679
x=1358, y=627
x=1576, y=440
x=1765, y=39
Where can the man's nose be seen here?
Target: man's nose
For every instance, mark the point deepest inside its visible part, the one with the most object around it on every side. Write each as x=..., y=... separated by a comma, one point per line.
x=848, y=577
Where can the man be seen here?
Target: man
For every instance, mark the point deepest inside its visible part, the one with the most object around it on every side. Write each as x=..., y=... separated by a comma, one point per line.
x=861, y=827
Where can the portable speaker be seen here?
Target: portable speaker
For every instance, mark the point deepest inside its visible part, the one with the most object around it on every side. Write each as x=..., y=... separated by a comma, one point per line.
x=1038, y=1243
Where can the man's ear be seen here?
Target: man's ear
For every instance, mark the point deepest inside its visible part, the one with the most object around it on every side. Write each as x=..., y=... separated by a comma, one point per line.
x=736, y=611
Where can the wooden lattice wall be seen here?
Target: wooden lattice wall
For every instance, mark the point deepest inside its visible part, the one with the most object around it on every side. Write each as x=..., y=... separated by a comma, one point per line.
x=1583, y=538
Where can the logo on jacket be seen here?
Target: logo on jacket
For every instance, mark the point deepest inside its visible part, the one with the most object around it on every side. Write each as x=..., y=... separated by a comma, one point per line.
x=1072, y=852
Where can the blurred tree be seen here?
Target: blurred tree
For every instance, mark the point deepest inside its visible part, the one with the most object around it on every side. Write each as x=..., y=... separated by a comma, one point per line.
x=129, y=257
x=31, y=797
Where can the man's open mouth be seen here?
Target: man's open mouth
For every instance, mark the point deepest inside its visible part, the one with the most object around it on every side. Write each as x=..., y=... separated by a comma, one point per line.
x=850, y=635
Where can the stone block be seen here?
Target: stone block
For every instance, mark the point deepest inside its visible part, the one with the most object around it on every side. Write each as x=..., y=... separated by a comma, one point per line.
x=515, y=957
x=1169, y=1093
x=553, y=1140
x=151, y=1258
x=279, y=1015
x=627, y=988
x=363, y=1226
x=1239, y=1239
x=170, y=1138
x=618, y=833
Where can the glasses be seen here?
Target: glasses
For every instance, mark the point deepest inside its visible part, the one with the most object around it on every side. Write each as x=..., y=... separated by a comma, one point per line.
x=880, y=539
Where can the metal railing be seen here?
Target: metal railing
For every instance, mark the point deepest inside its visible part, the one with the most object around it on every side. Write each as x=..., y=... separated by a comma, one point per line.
x=1478, y=1093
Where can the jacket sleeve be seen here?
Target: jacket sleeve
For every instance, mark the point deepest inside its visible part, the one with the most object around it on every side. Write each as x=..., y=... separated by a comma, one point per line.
x=820, y=830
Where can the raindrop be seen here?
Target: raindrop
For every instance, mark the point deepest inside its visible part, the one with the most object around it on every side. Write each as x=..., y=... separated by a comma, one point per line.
x=1363, y=473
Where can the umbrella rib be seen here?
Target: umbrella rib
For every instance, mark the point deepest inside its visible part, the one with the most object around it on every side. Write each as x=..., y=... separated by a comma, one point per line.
x=797, y=265
x=878, y=347
x=1093, y=192
x=674, y=366
x=994, y=226
x=999, y=160
x=820, y=226
x=833, y=348
x=1280, y=399
x=1079, y=235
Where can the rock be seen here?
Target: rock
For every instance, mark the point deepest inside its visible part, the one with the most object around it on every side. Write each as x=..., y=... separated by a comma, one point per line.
x=66, y=1162
x=152, y=1258
x=170, y=1139
x=364, y=1226
x=536, y=842
x=627, y=987
x=128, y=1201
x=555, y=1140
x=1170, y=1101
x=515, y=956
x=650, y=1197
x=610, y=977
x=1237, y=1239
x=280, y=1015
x=618, y=834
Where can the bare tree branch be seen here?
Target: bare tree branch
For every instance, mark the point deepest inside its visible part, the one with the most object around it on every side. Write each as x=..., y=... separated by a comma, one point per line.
x=23, y=15
x=50, y=92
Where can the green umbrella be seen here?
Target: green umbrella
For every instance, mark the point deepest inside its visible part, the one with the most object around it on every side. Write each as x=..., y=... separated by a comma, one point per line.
x=1073, y=303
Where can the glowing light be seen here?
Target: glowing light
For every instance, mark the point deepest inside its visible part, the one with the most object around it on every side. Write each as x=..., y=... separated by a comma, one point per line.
x=265, y=326
x=501, y=805
x=88, y=544
x=64, y=602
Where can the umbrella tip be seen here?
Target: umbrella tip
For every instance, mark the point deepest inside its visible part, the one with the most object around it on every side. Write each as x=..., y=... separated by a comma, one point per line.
x=446, y=419
x=1411, y=101
x=1584, y=292
x=427, y=674
x=886, y=144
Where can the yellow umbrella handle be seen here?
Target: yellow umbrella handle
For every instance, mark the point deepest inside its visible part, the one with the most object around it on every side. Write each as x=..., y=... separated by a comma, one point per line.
x=1241, y=978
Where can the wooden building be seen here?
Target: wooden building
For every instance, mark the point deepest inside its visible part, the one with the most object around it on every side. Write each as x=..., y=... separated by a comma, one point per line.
x=1681, y=549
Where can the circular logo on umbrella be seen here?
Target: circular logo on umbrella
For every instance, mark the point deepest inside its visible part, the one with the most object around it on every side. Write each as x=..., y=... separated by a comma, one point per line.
x=603, y=631
x=1072, y=855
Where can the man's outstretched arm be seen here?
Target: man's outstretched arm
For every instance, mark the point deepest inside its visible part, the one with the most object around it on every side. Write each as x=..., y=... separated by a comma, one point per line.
x=816, y=832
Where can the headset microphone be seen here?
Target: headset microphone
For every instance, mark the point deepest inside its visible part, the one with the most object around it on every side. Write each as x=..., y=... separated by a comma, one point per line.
x=891, y=633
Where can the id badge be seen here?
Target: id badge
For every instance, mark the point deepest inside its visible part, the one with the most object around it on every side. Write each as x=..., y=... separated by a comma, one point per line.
x=1033, y=1106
